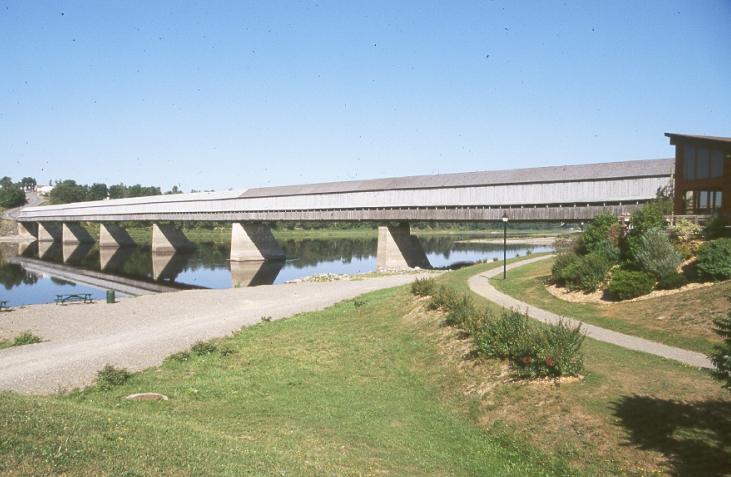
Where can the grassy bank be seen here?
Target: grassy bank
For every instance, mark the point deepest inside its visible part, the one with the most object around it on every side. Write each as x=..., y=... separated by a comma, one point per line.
x=633, y=414
x=682, y=319
x=375, y=386
x=352, y=390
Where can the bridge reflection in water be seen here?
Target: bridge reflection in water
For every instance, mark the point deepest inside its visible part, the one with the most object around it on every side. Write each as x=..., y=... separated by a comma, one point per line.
x=129, y=270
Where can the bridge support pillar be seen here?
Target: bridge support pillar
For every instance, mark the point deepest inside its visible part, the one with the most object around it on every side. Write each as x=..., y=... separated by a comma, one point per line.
x=49, y=232
x=73, y=233
x=28, y=230
x=112, y=235
x=398, y=249
x=254, y=242
x=166, y=239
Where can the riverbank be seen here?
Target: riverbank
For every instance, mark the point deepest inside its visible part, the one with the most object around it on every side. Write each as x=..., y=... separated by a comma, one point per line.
x=137, y=333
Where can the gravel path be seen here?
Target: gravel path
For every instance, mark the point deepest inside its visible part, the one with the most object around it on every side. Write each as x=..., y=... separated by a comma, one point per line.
x=137, y=333
x=481, y=285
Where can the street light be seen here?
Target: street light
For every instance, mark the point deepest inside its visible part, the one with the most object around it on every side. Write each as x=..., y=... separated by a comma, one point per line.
x=505, y=244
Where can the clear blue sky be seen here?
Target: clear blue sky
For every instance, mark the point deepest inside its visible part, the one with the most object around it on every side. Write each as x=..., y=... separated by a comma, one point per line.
x=213, y=95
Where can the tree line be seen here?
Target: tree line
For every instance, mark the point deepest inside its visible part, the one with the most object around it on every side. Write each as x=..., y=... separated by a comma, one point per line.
x=68, y=191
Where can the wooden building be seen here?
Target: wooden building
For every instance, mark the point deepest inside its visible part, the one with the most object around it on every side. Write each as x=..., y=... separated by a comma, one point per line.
x=702, y=174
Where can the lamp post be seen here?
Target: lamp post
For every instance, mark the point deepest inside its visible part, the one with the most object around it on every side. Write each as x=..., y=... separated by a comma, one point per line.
x=505, y=244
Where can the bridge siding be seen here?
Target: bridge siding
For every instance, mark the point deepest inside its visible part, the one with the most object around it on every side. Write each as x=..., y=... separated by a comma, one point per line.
x=449, y=204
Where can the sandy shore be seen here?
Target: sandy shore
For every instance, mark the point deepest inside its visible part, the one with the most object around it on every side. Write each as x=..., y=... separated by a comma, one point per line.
x=138, y=333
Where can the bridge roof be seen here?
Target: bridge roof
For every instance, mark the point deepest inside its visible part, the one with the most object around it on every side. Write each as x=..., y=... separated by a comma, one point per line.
x=582, y=172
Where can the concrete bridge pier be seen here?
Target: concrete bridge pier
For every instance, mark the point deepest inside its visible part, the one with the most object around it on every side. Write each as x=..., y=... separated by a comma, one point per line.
x=49, y=232
x=254, y=242
x=112, y=235
x=74, y=233
x=398, y=249
x=167, y=239
x=28, y=230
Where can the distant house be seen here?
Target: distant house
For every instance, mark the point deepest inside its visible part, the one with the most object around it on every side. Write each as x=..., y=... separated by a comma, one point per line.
x=702, y=174
x=44, y=189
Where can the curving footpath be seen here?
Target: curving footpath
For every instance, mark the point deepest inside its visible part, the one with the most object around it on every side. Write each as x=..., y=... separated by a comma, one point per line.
x=480, y=284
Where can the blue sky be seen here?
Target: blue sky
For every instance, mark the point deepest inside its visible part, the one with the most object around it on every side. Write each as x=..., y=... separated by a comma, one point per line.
x=214, y=95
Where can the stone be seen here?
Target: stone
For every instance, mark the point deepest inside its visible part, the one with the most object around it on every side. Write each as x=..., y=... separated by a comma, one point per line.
x=147, y=397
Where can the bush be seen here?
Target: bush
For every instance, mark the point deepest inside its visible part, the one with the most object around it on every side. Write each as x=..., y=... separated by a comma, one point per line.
x=423, y=286
x=672, y=281
x=109, y=376
x=684, y=231
x=551, y=351
x=656, y=255
x=11, y=196
x=203, y=348
x=650, y=216
x=597, y=232
x=444, y=298
x=721, y=355
x=714, y=259
x=584, y=273
x=26, y=338
x=715, y=227
x=558, y=353
x=508, y=336
x=626, y=284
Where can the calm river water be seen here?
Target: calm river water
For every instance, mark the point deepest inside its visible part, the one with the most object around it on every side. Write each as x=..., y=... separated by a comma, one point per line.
x=37, y=273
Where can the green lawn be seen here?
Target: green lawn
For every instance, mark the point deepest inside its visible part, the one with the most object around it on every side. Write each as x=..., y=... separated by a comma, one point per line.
x=351, y=390
x=376, y=386
x=683, y=319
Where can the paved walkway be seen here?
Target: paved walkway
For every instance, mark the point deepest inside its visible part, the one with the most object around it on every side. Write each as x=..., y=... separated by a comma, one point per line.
x=481, y=285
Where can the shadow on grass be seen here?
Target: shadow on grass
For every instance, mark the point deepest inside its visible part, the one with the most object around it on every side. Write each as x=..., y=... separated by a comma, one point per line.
x=694, y=436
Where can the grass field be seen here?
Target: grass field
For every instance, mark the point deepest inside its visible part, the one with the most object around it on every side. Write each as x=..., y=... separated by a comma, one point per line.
x=375, y=386
x=683, y=319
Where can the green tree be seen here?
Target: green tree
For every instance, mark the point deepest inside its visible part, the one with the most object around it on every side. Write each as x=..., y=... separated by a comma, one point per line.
x=11, y=196
x=117, y=191
x=68, y=191
x=597, y=232
x=28, y=183
x=721, y=355
x=97, y=191
x=6, y=181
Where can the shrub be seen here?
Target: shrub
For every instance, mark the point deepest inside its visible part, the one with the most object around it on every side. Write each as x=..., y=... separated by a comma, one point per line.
x=721, y=355
x=444, y=298
x=11, y=196
x=558, y=353
x=597, y=231
x=684, y=231
x=626, y=284
x=714, y=259
x=181, y=356
x=715, y=227
x=26, y=338
x=423, y=286
x=607, y=250
x=461, y=312
x=584, y=273
x=553, y=350
x=672, y=281
x=109, y=376
x=656, y=255
x=650, y=216
x=508, y=336
x=203, y=348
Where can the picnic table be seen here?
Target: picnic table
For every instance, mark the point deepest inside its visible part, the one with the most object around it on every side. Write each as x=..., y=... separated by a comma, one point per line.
x=4, y=305
x=74, y=297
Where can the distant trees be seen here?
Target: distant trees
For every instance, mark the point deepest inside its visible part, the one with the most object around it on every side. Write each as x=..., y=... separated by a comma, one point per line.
x=11, y=195
x=28, y=183
x=69, y=191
